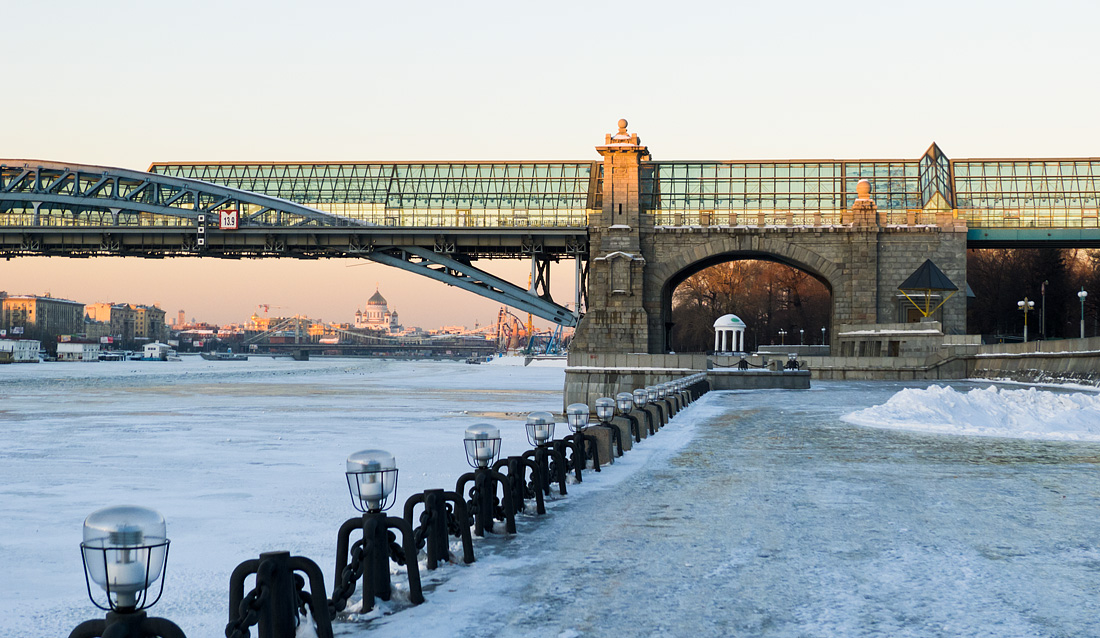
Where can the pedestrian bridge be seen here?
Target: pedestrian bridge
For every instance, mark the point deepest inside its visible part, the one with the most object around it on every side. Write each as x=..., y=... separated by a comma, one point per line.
x=633, y=226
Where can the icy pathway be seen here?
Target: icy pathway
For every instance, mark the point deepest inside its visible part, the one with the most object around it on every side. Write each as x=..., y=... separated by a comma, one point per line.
x=780, y=520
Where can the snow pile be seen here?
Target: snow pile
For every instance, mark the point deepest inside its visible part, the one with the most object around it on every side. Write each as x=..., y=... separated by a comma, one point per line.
x=1018, y=414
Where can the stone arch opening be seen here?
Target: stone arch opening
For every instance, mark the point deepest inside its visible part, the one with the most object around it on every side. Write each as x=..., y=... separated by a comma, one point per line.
x=802, y=297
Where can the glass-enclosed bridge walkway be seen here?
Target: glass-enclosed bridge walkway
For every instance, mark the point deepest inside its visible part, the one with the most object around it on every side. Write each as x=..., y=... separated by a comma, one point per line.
x=436, y=218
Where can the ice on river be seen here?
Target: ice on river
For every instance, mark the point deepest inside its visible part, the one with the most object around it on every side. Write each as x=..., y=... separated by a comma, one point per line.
x=753, y=513
x=991, y=411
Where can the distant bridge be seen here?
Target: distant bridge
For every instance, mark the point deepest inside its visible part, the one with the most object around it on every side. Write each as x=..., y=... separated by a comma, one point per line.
x=73, y=210
x=634, y=227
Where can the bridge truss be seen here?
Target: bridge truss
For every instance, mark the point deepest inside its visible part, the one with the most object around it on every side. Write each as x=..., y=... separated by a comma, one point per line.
x=72, y=210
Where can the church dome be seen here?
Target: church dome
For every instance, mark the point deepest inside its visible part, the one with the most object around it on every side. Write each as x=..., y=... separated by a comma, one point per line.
x=376, y=299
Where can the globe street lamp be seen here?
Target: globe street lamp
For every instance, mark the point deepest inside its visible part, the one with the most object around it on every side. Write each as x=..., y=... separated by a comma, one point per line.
x=1025, y=305
x=482, y=449
x=801, y=336
x=674, y=405
x=540, y=433
x=125, y=550
x=624, y=401
x=372, y=483
x=822, y=335
x=641, y=400
x=583, y=445
x=482, y=443
x=782, y=337
x=372, y=480
x=661, y=402
x=655, y=400
x=1081, y=295
x=605, y=411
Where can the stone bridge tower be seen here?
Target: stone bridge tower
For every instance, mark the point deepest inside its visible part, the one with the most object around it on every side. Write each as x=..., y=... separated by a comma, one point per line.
x=617, y=320
x=635, y=265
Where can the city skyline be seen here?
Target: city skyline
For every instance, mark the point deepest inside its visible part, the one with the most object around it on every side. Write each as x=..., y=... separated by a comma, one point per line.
x=497, y=81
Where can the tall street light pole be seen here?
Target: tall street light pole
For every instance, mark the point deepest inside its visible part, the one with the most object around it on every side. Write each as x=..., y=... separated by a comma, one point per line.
x=1025, y=305
x=1043, y=310
x=1081, y=295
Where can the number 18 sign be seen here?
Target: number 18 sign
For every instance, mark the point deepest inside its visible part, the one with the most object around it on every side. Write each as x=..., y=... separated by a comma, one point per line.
x=229, y=219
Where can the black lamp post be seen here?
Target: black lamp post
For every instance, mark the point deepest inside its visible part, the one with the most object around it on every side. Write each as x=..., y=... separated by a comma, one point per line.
x=624, y=401
x=482, y=449
x=125, y=551
x=679, y=387
x=655, y=399
x=669, y=389
x=658, y=398
x=540, y=434
x=583, y=446
x=605, y=411
x=641, y=400
x=372, y=484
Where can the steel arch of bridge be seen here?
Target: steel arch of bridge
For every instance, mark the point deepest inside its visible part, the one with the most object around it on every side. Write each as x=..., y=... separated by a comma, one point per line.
x=53, y=208
x=79, y=189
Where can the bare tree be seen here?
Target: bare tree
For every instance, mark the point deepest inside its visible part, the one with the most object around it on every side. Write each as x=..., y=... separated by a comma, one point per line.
x=767, y=296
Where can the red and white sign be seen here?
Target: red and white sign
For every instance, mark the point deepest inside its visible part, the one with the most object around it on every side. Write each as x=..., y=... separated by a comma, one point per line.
x=229, y=219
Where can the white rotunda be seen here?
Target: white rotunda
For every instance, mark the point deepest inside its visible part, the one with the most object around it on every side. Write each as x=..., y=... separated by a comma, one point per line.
x=729, y=334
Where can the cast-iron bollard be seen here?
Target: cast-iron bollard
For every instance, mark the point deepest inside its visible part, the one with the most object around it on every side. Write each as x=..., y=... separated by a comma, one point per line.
x=641, y=402
x=551, y=466
x=522, y=490
x=582, y=446
x=679, y=388
x=370, y=560
x=128, y=624
x=277, y=603
x=372, y=483
x=624, y=401
x=670, y=399
x=540, y=434
x=605, y=411
x=438, y=522
x=483, y=503
x=655, y=401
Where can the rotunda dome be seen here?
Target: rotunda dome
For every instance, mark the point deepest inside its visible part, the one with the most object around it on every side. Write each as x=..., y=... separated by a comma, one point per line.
x=729, y=321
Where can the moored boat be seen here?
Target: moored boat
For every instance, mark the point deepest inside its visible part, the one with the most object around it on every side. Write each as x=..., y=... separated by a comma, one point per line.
x=224, y=356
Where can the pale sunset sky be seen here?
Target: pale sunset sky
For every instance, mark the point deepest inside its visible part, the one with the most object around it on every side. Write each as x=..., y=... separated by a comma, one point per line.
x=130, y=83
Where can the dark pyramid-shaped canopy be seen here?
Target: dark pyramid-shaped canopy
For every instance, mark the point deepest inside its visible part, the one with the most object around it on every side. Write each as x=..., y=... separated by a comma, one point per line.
x=927, y=277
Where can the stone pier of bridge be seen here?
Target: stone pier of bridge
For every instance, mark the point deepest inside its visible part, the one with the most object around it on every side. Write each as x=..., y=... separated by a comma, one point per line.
x=636, y=265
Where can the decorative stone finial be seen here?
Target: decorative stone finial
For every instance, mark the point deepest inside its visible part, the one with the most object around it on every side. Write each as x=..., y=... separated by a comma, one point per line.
x=863, y=189
x=622, y=127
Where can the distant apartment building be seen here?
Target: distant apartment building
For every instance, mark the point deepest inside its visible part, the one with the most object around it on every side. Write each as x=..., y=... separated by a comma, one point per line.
x=130, y=322
x=149, y=323
x=31, y=316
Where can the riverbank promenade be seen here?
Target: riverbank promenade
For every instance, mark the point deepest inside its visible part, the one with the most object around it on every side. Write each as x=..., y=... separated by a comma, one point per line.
x=762, y=514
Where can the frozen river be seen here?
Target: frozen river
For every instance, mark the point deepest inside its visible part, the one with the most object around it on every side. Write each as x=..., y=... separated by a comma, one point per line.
x=752, y=514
